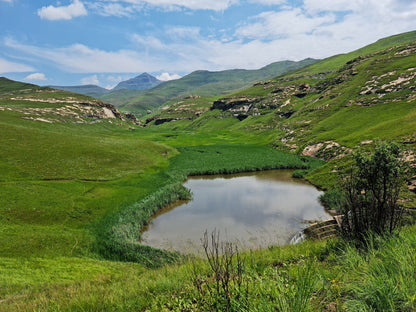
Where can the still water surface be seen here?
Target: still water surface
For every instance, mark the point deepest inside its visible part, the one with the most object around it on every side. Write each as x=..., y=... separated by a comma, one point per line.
x=254, y=209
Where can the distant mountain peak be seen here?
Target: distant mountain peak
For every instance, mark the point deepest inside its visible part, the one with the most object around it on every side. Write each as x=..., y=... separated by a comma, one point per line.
x=142, y=82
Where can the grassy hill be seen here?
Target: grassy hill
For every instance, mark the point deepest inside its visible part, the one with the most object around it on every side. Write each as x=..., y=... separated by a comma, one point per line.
x=325, y=110
x=78, y=180
x=89, y=90
x=73, y=169
x=202, y=83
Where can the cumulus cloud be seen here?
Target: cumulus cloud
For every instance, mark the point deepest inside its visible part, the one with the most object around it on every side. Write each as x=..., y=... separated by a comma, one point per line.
x=91, y=80
x=12, y=67
x=52, y=13
x=36, y=76
x=167, y=77
x=78, y=58
x=275, y=25
x=318, y=29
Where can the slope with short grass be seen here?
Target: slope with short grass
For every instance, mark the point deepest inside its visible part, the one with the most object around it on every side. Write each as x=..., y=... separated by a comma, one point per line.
x=202, y=83
x=77, y=182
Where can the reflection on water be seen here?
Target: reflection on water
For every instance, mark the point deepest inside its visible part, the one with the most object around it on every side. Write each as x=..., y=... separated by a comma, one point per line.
x=256, y=209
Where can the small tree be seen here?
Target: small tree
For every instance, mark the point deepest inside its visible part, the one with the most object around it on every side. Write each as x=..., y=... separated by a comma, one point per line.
x=371, y=193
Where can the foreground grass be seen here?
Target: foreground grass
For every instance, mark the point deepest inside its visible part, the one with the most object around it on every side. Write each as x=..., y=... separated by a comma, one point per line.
x=72, y=195
x=330, y=276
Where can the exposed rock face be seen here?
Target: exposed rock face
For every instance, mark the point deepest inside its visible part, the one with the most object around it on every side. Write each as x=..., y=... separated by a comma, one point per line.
x=106, y=108
x=312, y=150
x=160, y=121
x=326, y=150
x=132, y=118
x=71, y=108
x=302, y=90
x=192, y=97
x=163, y=120
x=234, y=104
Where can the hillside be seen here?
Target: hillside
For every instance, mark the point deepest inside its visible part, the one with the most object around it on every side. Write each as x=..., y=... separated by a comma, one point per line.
x=79, y=179
x=49, y=105
x=202, y=83
x=316, y=111
x=118, y=93
x=89, y=90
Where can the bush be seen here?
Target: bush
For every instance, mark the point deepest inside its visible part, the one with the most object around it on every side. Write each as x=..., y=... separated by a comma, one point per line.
x=371, y=192
x=332, y=200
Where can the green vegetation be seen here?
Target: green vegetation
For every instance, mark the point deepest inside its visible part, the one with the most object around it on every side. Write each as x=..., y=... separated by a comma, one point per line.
x=118, y=235
x=323, y=275
x=371, y=194
x=76, y=188
x=203, y=83
x=90, y=90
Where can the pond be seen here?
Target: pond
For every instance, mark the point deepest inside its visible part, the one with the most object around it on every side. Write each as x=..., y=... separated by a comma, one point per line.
x=253, y=210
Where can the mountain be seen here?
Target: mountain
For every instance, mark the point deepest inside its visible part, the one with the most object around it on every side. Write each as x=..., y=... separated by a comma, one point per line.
x=77, y=184
x=141, y=82
x=204, y=83
x=324, y=110
x=89, y=90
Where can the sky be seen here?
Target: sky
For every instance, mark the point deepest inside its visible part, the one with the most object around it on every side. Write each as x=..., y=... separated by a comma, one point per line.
x=75, y=42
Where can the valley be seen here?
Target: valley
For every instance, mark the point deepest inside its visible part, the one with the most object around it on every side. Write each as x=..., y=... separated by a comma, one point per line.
x=80, y=177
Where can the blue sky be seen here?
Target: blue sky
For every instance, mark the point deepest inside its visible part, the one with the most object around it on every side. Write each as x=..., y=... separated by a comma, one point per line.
x=73, y=42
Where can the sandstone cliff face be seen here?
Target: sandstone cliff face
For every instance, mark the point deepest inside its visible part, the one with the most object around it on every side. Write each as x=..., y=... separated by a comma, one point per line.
x=52, y=106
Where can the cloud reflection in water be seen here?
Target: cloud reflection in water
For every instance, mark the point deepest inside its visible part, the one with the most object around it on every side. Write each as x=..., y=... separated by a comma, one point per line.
x=267, y=203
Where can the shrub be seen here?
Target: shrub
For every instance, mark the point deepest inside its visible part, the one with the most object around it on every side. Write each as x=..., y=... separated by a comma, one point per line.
x=371, y=192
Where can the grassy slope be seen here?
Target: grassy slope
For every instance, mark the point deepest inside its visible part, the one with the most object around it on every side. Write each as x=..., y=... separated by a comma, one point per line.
x=90, y=90
x=57, y=179
x=202, y=83
x=335, y=107
x=48, y=264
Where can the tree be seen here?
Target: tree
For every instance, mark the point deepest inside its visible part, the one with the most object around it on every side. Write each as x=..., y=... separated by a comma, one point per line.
x=371, y=193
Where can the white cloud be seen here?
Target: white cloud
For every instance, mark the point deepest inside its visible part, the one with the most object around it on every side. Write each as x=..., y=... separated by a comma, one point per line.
x=268, y=2
x=149, y=42
x=7, y=1
x=182, y=32
x=214, y=5
x=75, y=9
x=91, y=80
x=275, y=25
x=36, y=76
x=314, y=6
x=116, y=79
x=113, y=9
x=79, y=58
x=12, y=67
x=167, y=77
x=317, y=29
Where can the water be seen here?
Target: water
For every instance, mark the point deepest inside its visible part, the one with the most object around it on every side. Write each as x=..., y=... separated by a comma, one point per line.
x=252, y=209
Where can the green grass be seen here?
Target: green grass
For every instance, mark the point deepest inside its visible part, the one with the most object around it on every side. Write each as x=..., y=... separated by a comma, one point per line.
x=306, y=277
x=202, y=83
x=73, y=198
